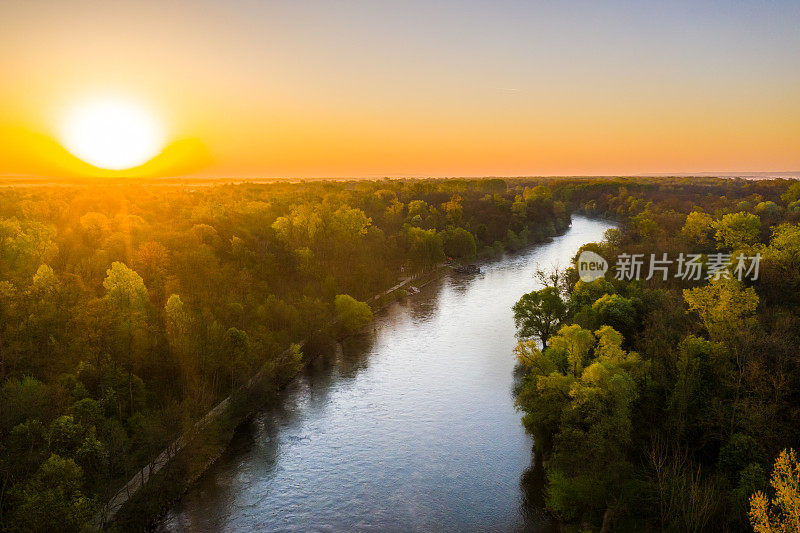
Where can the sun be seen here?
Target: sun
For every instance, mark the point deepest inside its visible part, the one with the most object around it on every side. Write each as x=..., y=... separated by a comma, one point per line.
x=112, y=134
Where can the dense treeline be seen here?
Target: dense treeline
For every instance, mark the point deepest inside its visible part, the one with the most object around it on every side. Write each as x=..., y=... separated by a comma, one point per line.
x=662, y=403
x=129, y=310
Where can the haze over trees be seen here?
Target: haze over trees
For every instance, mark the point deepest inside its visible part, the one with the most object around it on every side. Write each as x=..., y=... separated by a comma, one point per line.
x=128, y=310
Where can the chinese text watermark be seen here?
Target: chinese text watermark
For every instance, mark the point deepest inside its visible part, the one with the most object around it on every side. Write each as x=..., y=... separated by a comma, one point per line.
x=592, y=266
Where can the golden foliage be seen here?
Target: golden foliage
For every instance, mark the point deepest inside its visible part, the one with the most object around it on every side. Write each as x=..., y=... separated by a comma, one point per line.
x=781, y=513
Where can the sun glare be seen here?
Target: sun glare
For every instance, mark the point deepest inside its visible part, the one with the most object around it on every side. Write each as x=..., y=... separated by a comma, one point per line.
x=112, y=134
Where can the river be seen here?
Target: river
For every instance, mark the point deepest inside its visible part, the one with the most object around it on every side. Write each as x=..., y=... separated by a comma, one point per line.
x=410, y=427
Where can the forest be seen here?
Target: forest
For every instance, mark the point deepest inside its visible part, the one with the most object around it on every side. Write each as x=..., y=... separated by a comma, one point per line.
x=129, y=309
x=671, y=403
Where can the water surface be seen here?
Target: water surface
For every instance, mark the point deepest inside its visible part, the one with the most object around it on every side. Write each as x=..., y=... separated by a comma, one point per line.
x=411, y=427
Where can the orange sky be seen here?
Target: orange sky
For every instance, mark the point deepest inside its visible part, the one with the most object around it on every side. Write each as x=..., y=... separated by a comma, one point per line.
x=311, y=89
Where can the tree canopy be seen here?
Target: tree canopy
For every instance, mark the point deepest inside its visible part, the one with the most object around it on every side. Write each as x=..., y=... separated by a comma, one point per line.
x=539, y=314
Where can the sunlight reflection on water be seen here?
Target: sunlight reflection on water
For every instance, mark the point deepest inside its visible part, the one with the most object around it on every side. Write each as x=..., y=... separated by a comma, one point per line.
x=410, y=427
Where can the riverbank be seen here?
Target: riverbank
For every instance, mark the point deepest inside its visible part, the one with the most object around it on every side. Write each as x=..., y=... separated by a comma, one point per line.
x=150, y=492
x=397, y=429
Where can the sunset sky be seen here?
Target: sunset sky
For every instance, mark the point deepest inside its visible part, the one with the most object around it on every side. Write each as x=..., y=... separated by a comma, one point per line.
x=312, y=89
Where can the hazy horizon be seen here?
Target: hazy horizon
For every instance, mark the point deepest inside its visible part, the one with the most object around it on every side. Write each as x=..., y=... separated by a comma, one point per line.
x=367, y=89
x=256, y=179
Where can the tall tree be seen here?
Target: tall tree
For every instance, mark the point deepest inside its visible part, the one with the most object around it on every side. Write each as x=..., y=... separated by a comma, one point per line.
x=539, y=314
x=128, y=299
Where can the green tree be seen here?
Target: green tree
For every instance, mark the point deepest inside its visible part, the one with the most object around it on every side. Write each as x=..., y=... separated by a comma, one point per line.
x=779, y=271
x=574, y=343
x=792, y=194
x=24, y=245
x=701, y=367
x=768, y=210
x=65, y=435
x=128, y=300
x=417, y=208
x=727, y=310
x=125, y=289
x=585, y=294
x=532, y=360
x=590, y=463
x=514, y=241
x=351, y=315
x=23, y=399
x=178, y=328
x=737, y=230
x=539, y=314
x=725, y=307
x=459, y=244
x=425, y=247
x=454, y=209
x=240, y=360
x=540, y=192
x=544, y=395
x=52, y=499
x=698, y=229
x=616, y=311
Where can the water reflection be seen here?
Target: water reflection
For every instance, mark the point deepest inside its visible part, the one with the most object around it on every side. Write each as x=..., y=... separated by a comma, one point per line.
x=531, y=484
x=410, y=427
